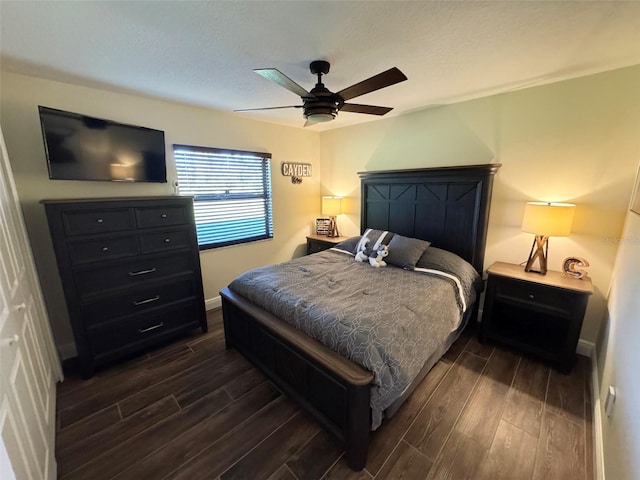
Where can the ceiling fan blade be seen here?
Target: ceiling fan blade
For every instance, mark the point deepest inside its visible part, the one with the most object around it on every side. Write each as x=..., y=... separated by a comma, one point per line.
x=369, y=109
x=281, y=79
x=382, y=80
x=267, y=108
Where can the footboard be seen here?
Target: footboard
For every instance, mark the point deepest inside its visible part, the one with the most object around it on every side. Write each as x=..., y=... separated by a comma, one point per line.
x=331, y=388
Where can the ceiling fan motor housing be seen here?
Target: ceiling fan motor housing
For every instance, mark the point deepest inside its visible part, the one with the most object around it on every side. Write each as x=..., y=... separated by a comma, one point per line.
x=325, y=102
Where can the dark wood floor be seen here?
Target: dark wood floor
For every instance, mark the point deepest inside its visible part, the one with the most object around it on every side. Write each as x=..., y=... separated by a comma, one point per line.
x=194, y=410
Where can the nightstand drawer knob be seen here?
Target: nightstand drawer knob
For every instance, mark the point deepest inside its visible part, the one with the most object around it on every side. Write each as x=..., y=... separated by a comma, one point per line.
x=532, y=296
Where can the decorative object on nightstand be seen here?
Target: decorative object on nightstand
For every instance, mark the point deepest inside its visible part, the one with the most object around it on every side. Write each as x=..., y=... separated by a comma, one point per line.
x=571, y=267
x=538, y=315
x=318, y=243
x=544, y=220
x=322, y=226
x=332, y=206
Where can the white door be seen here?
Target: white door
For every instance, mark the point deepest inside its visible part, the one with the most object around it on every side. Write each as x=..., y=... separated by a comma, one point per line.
x=29, y=366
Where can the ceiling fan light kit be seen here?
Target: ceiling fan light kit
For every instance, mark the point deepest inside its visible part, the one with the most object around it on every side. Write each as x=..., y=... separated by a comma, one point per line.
x=321, y=104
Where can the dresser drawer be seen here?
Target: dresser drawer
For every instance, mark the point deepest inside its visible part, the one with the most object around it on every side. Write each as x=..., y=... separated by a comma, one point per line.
x=109, y=248
x=130, y=273
x=548, y=298
x=167, y=240
x=99, y=221
x=150, y=217
x=137, y=300
x=129, y=334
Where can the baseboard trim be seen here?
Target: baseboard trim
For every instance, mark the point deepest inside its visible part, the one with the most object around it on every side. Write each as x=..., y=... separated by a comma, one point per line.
x=211, y=303
x=598, y=448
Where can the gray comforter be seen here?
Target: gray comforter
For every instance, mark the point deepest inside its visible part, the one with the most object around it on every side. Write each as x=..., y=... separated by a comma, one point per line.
x=387, y=320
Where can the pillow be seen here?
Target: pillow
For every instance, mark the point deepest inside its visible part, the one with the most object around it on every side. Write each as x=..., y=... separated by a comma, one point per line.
x=349, y=244
x=379, y=237
x=404, y=252
x=443, y=260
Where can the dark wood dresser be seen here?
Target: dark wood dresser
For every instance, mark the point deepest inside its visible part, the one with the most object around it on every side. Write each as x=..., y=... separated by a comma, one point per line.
x=130, y=270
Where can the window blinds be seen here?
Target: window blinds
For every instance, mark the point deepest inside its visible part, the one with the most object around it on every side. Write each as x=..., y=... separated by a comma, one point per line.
x=231, y=191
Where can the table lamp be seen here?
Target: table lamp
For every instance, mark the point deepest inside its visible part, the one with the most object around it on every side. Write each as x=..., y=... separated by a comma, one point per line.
x=545, y=220
x=332, y=206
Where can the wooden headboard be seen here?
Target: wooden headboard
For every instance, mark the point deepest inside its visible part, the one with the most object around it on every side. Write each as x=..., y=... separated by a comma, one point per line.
x=448, y=206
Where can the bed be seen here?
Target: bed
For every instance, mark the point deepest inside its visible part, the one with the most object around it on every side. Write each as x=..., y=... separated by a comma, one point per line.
x=447, y=207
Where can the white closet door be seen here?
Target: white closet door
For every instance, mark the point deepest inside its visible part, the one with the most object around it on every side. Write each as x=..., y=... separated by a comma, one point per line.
x=29, y=367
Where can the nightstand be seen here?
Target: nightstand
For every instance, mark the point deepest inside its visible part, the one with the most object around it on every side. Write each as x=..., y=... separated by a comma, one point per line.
x=537, y=314
x=318, y=243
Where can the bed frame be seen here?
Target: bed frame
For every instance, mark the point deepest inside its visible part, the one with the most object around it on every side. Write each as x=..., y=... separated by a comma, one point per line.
x=447, y=206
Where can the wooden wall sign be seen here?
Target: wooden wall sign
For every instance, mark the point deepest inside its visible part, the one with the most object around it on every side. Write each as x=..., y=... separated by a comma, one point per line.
x=296, y=171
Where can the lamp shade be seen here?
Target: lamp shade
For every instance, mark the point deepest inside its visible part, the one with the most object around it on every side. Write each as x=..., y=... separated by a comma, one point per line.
x=548, y=219
x=331, y=206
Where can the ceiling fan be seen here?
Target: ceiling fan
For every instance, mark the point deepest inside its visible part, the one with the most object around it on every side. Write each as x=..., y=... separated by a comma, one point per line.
x=321, y=104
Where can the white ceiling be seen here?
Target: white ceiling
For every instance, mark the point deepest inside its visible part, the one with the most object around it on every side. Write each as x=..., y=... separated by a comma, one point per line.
x=203, y=53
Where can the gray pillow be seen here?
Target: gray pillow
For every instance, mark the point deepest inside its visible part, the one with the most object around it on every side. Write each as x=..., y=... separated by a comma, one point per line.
x=349, y=244
x=373, y=236
x=404, y=252
x=449, y=262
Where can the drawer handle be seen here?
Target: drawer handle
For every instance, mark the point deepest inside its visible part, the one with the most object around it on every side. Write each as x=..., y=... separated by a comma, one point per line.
x=142, y=272
x=100, y=220
x=532, y=296
x=148, y=300
x=105, y=249
x=143, y=330
x=167, y=240
x=164, y=215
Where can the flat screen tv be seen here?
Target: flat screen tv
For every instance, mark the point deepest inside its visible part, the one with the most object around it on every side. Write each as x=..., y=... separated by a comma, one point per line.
x=79, y=147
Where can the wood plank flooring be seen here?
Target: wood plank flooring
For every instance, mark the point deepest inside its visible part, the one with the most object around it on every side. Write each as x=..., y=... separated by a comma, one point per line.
x=192, y=410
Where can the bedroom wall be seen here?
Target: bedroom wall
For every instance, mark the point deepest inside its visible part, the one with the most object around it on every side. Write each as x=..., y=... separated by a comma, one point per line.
x=620, y=360
x=295, y=206
x=573, y=141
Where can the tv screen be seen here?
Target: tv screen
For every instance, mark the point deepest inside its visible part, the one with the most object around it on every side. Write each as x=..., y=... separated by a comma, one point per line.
x=79, y=147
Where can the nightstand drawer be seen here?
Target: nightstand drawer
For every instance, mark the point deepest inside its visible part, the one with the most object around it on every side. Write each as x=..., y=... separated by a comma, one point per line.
x=536, y=296
x=315, y=247
x=319, y=243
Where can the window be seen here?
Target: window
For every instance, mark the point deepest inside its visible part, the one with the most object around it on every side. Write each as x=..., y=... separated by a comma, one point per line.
x=231, y=190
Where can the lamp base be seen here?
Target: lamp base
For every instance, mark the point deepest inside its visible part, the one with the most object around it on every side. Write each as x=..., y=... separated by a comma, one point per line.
x=539, y=251
x=333, y=227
